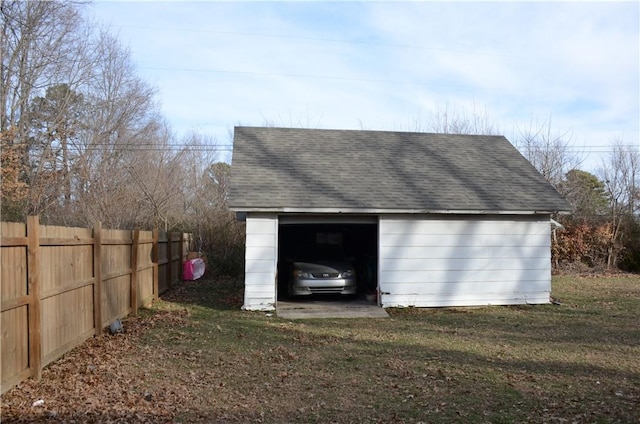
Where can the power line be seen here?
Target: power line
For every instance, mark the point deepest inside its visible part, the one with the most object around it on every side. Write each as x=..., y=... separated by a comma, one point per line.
x=181, y=147
x=307, y=38
x=602, y=148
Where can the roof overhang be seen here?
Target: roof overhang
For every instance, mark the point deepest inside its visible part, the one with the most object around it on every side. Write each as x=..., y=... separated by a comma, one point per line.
x=375, y=211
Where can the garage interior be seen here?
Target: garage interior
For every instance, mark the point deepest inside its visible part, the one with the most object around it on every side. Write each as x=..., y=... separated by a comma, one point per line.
x=359, y=242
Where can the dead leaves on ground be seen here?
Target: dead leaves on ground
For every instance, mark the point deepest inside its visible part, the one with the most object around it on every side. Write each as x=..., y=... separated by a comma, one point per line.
x=102, y=380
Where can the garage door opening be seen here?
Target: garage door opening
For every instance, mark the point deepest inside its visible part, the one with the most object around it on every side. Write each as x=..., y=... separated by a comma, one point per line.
x=356, y=243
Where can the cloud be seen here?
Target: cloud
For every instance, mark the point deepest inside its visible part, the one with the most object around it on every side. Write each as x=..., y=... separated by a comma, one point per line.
x=380, y=65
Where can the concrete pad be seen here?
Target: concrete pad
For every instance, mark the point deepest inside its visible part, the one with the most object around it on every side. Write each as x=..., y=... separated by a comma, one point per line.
x=311, y=308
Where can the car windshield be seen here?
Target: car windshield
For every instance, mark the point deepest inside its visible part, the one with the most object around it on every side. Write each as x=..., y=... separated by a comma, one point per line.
x=320, y=252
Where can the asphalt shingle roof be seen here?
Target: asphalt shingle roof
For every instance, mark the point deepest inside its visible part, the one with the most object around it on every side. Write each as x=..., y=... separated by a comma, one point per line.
x=288, y=169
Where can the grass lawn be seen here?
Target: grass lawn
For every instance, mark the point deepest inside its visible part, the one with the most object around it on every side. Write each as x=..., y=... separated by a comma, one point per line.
x=195, y=357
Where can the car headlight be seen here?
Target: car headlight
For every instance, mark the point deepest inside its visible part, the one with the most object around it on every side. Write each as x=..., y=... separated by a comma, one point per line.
x=301, y=273
x=347, y=274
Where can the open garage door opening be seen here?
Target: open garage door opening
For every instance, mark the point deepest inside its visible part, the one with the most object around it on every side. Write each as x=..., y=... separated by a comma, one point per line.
x=327, y=259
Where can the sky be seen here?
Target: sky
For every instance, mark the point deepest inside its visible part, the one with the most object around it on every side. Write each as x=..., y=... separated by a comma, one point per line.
x=571, y=67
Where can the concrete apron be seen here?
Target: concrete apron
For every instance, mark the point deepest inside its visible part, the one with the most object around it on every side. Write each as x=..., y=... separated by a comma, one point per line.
x=304, y=309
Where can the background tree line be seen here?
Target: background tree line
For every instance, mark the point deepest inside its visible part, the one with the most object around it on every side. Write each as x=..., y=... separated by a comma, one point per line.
x=82, y=140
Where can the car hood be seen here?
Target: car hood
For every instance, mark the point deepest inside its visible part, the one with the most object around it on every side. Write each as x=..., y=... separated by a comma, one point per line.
x=323, y=266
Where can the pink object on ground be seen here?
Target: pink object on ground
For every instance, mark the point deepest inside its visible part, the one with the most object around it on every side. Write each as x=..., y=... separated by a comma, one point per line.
x=193, y=269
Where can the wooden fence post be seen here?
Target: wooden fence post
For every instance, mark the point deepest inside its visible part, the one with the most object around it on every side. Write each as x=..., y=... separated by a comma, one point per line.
x=33, y=287
x=135, y=242
x=169, y=260
x=156, y=277
x=97, y=275
x=182, y=256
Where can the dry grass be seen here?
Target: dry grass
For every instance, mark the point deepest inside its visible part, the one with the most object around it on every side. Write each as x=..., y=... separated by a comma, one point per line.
x=195, y=357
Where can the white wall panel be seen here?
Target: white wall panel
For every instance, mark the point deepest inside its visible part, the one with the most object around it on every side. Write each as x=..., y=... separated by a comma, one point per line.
x=258, y=252
x=460, y=224
x=465, y=260
x=489, y=240
x=260, y=240
x=462, y=299
x=436, y=251
x=260, y=225
x=438, y=264
x=260, y=262
x=256, y=266
x=259, y=290
x=457, y=277
x=256, y=279
x=468, y=287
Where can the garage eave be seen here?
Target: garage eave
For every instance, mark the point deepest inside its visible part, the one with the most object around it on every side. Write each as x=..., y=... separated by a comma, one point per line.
x=377, y=211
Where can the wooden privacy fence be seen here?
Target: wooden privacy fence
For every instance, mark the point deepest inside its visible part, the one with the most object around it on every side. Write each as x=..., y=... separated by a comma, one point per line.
x=62, y=285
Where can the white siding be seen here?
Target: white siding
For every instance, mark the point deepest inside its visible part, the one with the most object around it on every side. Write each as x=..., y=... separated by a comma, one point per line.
x=260, y=262
x=464, y=261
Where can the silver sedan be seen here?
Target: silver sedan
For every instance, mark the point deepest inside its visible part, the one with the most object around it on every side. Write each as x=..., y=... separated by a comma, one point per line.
x=322, y=270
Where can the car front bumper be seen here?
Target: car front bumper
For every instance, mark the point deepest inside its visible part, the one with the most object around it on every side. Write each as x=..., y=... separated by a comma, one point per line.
x=308, y=286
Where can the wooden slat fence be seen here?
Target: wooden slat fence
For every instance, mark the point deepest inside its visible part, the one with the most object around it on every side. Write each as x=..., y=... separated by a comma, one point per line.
x=61, y=285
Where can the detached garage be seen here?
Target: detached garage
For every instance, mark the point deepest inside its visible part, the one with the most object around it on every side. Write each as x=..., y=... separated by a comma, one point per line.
x=428, y=219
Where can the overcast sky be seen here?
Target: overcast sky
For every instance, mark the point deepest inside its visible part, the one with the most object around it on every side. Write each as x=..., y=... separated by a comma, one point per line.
x=388, y=65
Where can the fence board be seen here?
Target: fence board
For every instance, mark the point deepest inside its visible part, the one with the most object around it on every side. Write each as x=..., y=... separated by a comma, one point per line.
x=146, y=286
x=134, y=271
x=61, y=285
x=175, y=257
x=62, y=266
x=15, y=345
x=116, y=298
x=163, y=280
x=155, y=257
x=66, y=319
x=14, y=319
x=116, y=275
x=147, y=244
x=14, y=277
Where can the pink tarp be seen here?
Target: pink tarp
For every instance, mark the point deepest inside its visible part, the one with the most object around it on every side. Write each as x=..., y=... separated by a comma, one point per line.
x=193, y=269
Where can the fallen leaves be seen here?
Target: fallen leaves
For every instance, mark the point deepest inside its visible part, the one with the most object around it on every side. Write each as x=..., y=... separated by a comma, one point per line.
x=101, y=381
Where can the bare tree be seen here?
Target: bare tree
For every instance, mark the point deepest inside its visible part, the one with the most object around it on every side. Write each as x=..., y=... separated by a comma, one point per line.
x=620, y=172
x=41, y=44
x=82, y=138
x=445, y=120
x=291, y=121
x=121, y=124
x=55, y=120
x=44, y=48
x=164, y=178
x=551, y=153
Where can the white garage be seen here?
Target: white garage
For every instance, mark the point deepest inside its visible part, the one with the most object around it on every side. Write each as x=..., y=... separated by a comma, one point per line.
x=429, y=220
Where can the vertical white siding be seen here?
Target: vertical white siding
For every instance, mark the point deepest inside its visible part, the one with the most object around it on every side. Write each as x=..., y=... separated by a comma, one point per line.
x=464, y=261
x=260, y=262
